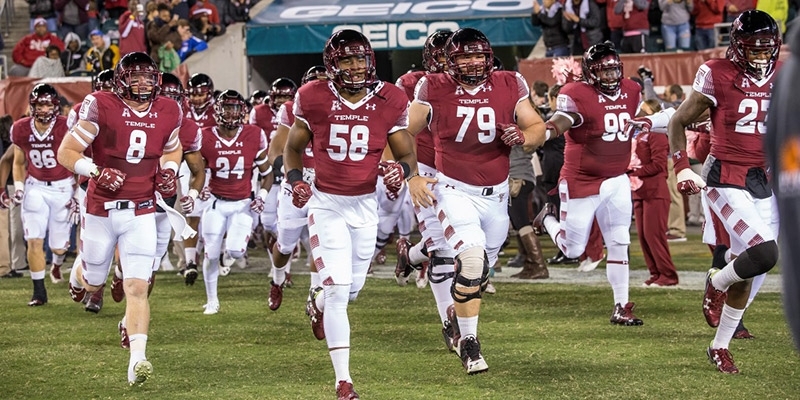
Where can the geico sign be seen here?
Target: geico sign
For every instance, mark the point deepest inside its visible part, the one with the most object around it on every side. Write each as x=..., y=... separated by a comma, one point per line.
x=421, y=8
x=403, y=34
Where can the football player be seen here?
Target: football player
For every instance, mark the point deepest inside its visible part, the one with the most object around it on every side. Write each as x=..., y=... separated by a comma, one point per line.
x=133, y=137
x=593, y=183
x=257, y=97
x=42, y=187
x=292, y=220
x=231, y=149
x=349, y=119
x=475, y=115
x=734, y=182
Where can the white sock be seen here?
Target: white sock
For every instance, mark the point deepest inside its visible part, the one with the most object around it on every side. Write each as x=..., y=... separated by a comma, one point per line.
x=37, y=276
x=618, y=277
x=415, y=254
x=755, y=287
x=726, y=277
x=278, y=275
x=553, y=227
x=315, y=281
x=210, y=277
x=73, y=277
x=59, y=259
x=124, y=322
x=138, y=347
x=468, y=326
x=191, y=255
x=728, y=322
x=728, y=256
x=341, y=364
x=441, y=292
x=118, y=271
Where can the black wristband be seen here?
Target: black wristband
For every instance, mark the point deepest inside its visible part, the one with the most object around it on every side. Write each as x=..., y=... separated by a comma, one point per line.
x=294, y=176
x=406, y=169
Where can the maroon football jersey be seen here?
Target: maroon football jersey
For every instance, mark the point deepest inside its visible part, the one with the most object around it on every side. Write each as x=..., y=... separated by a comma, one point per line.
x=132, y=142
x=231, y=160
x=286, y=118
x=204, y=119
x=425, y=152
x=738, y=116
x=190, y=136
x=599, y=147
x=72, y=117
x=349, y=138
x=265, y=118
x=40, y=148
x=463, y=124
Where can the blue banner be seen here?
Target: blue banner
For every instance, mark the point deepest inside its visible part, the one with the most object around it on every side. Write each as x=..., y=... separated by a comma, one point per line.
x=304, y=26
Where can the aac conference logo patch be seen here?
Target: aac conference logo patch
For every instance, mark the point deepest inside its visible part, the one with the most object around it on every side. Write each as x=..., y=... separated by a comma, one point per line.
x=789, y=170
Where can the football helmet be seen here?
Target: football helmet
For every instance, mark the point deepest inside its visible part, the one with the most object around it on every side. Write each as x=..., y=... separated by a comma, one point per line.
x=200, y=85
x=498, y=64
x=44, y=94
x=602, y=68
x=348, y=43
x=172, y=87
x=104, y=81
x=754, y=31
x=314, y=73
x=230, y=109
x=434, y=51
x=469, y=41
x=258, y=97
x=132, y=76
x=281, y=88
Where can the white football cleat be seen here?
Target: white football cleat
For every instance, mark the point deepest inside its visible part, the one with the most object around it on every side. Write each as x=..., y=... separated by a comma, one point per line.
x=211, y=308
x=142, y=371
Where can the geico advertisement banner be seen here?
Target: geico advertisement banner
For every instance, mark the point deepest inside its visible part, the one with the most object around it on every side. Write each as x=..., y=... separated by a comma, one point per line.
x=307, y=38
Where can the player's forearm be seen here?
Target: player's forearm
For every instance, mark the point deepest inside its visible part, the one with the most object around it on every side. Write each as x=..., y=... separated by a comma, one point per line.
x=534, y=137
x=677, y=134
x=196, y=166
x=172, y=159
x=18, y=172
x=292, y=159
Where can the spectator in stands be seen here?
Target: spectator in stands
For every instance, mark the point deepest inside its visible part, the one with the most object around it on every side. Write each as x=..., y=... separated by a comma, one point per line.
x=582, y=17
x=31, y=47
x=191, y=44
x=733, y=8
x=614, y=22
x=213, y=12
x=48, y=65
x=132, y=35
x=706, y=13
x=72, y=56
x=181, y=8
x=42, y=9
x=203, y=27
x=549, y=16
x=115, y=8
x=163, y=30
x=102, y=55
x=675, y=28
x=635, y=25
x=73, y=16
x=238, y=11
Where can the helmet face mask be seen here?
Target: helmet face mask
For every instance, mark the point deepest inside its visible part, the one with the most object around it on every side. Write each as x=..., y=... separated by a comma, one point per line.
x=171, y=87
x=283, y=90
x=434, y=57
x=201, y=92
x=137, y=78
x=350, y=60
x=755, y=43
x=602, y=68
x=469, y=57
x=230, y=110
x=45, y=103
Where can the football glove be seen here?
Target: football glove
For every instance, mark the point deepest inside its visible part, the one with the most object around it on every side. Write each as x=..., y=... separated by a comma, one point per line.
x=689, y=182
x=512, y=135
x=74, y=207
x=109, y=178
x=166, y=182
x=301, y=193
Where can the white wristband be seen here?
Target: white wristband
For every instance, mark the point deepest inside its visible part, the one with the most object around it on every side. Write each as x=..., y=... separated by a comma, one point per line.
x=19, y=186
x=171, y=165
x=85, y=167
x=262, y=194
x=193, y=194
x=660, y=120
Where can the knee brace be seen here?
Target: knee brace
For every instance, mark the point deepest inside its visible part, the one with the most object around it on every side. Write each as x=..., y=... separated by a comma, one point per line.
x=472, y=273
x=756, y=260
x=442, y=269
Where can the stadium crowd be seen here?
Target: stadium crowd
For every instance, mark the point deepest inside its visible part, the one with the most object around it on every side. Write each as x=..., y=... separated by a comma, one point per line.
x=342, y=161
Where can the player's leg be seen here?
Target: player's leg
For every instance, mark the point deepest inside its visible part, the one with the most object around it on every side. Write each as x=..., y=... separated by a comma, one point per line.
x=59, y=226
x=292, y=222
x=137, y=247
x=35, y=215
x=570, y=229
x=213, y=231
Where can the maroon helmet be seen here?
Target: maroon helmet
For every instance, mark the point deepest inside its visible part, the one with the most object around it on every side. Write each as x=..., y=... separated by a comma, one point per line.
x=281, y=87
x=348, y=43
x=230, y=109
x=258, y=97
x=314, y=73
x=131, y=69
x=754, y=30
x=200, y=84
x=464, y=42
x=172, y=87
x=104, y=80
x=44, y=94
x=602, y=68
x=433, y=50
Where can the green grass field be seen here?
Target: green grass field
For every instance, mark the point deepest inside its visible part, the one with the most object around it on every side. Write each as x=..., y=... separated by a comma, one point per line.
x=541, y=342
